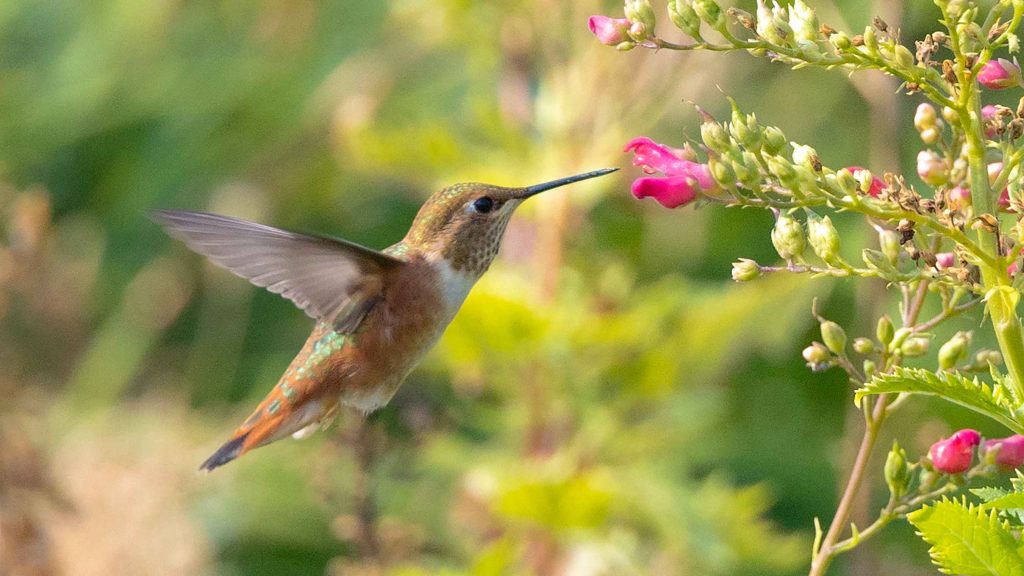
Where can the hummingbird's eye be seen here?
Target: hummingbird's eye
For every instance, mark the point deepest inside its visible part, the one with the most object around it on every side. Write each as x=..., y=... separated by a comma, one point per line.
x=483, y=205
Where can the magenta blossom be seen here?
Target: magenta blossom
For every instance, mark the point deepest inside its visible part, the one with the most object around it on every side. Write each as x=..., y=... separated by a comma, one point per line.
x=953, y=455
x=609, y=31
x=1011, y=451
x=876, y=183
x=683, y=179
x=999, y=74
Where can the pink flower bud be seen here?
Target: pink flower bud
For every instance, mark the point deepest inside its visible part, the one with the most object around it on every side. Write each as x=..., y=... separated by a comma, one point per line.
x=945, y=260
x=1011, y=451
x=876, y=183
x=954, y=455
x=988, y=117
x=1012, y=269
x=999, y=74
x=609, y=31
x=683, y=179
x=931, y=168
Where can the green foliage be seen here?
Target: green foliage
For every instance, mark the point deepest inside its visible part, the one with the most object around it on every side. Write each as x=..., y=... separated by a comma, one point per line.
x=992, y=401
x=968, y=539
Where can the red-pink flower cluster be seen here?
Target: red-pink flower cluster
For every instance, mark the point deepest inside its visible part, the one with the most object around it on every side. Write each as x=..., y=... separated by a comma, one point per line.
x=683, y=179
x=954, y=454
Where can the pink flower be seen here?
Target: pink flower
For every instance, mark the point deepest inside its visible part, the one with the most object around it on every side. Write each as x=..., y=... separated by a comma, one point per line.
x=999, y=74
x=988, y=117
x=876, y=183
x=1011, y=451
x=1012, y=269
x=683, y=179
x=609, y=31
x=953, y=455
x=945, y=260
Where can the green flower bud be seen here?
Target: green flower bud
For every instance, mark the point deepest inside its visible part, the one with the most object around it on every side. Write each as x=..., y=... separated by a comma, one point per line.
x=869, y=367
x=722, y=172
x=682, y=14
x=816, y=355
x=915, y=346
x=984, y=358
x=788, y=237
x=889, y=241
x=897, y=472
x=870, y=41
x=884, y=331
x=863, y=345
x=805, y=155
x=641, y=11
x=804, y=22
x=773, y=140
x=834, y=337
x=744, y=270
x=953, y=351
x=840, y=41
x=752, y=178
x=864, y=180
x=710, y=12
x=715, y=137
x=903, y=57
x=847, y=182
x=824, y=239
x=745, y=130
x=783, y=170
x=879, y=263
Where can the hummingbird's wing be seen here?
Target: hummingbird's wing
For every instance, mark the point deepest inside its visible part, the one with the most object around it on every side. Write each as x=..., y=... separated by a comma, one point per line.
x=332, y=280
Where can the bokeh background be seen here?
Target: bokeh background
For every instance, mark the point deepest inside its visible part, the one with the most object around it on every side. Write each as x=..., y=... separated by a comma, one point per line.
x=607, y=402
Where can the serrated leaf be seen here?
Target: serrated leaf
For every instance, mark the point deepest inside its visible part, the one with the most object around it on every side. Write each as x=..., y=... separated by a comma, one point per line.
x=968, y=540
x=989, y=493
x=952, y=386
x=1007, y=502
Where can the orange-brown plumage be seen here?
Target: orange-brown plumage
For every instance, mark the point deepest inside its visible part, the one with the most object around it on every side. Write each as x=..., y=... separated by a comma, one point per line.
x=377, y=313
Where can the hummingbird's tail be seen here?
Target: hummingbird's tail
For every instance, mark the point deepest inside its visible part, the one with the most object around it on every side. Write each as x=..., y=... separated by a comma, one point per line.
x=272, y=420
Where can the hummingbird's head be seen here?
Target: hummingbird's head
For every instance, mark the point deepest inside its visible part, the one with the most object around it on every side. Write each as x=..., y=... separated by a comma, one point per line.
x=464, y=223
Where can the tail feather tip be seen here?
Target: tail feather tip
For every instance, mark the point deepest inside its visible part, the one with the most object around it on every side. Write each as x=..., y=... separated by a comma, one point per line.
x=226, y=453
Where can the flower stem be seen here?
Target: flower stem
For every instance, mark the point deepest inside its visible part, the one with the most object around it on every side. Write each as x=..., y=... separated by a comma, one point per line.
x=828, y=549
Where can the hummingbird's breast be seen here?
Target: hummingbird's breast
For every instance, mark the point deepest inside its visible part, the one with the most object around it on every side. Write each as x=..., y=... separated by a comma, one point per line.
x=419, y=301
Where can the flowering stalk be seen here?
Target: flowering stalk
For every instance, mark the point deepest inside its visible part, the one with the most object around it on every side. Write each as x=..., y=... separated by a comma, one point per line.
x=950, y=244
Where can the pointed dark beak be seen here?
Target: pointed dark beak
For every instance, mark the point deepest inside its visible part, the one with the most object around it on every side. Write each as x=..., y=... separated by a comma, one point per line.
x=538, y=188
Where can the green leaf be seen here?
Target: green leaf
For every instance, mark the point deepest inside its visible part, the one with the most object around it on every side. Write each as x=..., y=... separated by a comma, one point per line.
x=989, y=493
x=1007, y=502
x=952, y=386
x=968, y=540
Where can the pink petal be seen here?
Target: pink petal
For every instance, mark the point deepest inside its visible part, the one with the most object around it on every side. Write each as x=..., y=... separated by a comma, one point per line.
x=658, y=157
x=609, y=31
x=670, y=192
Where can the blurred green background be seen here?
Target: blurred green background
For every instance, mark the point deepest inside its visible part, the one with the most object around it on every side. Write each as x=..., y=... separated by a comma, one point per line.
x=607, y=402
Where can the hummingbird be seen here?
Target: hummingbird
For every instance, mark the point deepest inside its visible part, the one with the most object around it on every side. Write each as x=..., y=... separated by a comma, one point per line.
x=377, y=313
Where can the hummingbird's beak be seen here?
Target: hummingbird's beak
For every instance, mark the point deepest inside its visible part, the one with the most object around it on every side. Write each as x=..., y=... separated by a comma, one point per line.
x=538, y=188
